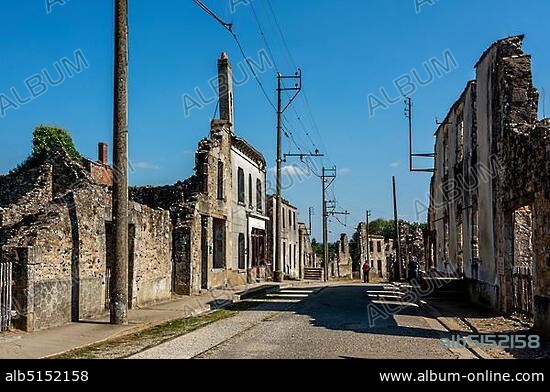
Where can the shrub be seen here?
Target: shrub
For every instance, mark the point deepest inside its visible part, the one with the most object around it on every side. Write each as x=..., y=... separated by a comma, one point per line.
x=49, y=139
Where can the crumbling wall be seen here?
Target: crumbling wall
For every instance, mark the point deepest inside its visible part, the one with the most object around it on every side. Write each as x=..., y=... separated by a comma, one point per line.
x=507, y=150
x=90, y=209
x=59, y=246
x=180, y=200
x=25, y=192
x=187, y=203
x=345, y=264
x=151, y=256
x=541, y=234
x=42, y=277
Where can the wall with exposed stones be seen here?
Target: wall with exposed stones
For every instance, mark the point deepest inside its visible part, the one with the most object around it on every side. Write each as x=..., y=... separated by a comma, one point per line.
x=193, y=205
x=344, y=268
x=150, y=255
x=59, y=248
x=24, y=192
x=503, y=208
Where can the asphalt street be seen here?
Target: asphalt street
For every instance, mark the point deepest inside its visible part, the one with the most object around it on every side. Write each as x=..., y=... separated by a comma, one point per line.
x=337, y=321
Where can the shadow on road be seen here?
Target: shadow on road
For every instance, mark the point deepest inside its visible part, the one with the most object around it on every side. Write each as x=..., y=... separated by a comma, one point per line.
x=357, y=308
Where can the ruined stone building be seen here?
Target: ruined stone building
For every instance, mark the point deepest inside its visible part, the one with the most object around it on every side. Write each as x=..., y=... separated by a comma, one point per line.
x=381, y=252
x=307, y=256
x=219, y=215
x=342, y=266
x=377, y=248
x=489, y=217
x=55, y=231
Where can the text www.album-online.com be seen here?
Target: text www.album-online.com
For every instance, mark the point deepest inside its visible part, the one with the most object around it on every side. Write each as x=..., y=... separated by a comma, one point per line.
x=488, y=376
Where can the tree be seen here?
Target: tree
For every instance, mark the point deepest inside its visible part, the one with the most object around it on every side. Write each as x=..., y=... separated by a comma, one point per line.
x=48, y=139
x=386, y=228
x=317, y=248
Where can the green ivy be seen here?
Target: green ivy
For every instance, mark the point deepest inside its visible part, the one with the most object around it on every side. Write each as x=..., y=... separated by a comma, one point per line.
x=46, y=140
x=49, y=139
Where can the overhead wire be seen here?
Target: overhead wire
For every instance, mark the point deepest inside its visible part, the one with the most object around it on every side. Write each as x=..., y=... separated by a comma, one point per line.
x=287, y=129
x=229, y=27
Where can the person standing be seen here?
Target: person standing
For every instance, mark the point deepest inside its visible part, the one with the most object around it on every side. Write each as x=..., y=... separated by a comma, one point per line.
x=366, y=273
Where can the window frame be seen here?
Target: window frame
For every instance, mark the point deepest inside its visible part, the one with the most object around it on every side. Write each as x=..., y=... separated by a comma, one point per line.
x=241, y=186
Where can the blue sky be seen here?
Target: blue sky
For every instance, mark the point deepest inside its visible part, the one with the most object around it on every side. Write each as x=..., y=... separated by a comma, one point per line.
x=346, y=49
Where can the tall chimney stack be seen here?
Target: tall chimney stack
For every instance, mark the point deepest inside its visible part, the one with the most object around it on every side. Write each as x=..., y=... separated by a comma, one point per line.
x=103, y=153
x=225, y=86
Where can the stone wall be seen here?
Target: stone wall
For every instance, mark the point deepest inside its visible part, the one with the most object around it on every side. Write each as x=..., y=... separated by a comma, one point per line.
x=59, y=249
x=25, y=192
x=193, y=204
x=43, y=276
x=344, y=268
x=151, y=255
x=290, y=239
x=497, y=217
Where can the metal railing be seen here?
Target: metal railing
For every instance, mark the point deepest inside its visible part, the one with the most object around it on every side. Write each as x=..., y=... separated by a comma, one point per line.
x=5, y=296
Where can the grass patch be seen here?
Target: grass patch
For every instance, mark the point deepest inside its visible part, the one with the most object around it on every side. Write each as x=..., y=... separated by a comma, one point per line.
x=132, y=344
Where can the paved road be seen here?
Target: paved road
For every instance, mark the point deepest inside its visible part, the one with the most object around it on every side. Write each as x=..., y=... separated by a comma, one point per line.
x=326, y=322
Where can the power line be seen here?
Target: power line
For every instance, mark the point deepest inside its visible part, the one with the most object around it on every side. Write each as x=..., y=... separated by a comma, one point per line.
x=268, y=47
x=229, y=27
x=270, y=51
x=305, y=96
x=278, y=25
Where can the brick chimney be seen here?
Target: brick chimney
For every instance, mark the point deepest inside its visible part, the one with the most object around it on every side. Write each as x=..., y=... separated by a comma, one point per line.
x=225, y=87
x=103, y=153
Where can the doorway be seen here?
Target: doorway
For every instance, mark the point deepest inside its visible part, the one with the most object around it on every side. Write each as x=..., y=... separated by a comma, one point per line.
x=258, y=248
x=522, y=267
x=204, y=252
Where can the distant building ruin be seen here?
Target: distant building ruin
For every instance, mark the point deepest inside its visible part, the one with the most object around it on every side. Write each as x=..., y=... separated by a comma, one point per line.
x=381, y=252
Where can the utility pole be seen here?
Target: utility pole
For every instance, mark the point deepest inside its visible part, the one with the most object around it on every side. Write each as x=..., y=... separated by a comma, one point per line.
x=398, y=241
x=310, y=225
x=328, y=177
x=368, y=239
x=119, y=275
x=279, y=273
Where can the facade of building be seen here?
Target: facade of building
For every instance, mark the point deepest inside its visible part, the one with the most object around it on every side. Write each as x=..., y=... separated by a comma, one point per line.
x=249, y=228
x=489, y=216
x=307, y=256
x=290, y=238
x=381, y=252
x=218, y=215
x=379, y=264
x=207, y=232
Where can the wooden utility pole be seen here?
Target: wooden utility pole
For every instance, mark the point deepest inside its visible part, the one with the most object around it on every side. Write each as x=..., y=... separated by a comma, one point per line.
x=119, y=274
x=326, y=181
x=278, y=275
x=368, y=239
x=310, y=225
x=325, y=229
x=328, y=177
x=398, y=240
